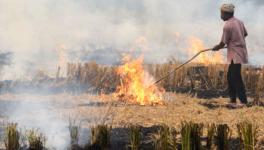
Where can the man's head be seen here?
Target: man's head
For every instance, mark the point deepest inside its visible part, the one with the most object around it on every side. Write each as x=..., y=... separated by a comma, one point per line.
x=227, y=11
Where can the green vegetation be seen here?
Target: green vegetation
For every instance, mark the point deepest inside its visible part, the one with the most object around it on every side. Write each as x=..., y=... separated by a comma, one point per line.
x=100, y=135
x=248, y=133
x=191, y=134
x=134, y=137
x=223, y=134
x=163, y=140
x=36, y=139
x=74, y=130
x=12, y=137
x=211, y=129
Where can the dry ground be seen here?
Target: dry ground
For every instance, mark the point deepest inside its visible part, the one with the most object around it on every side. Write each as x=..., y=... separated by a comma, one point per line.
x=90, y=109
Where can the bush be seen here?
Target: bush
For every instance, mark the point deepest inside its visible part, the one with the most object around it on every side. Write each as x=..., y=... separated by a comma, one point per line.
x=36, y=140
x=210, y=135
x=100, y=135
x=163, y=139
x=74, y=132
x=191, y=136
x=247, y=134
x=12, y=136
x=135, y=137
x=223, y=133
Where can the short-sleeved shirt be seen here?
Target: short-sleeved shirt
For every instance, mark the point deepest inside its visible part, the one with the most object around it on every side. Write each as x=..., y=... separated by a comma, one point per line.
x=234, y=34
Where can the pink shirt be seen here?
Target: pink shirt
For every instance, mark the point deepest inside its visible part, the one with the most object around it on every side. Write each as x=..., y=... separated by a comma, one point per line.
x=234, y=34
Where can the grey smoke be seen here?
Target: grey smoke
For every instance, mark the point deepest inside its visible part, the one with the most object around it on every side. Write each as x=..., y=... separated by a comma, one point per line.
x=5, y=58
x=35, y=114
x=99, y=30
x=33, y=30
x=256, y=2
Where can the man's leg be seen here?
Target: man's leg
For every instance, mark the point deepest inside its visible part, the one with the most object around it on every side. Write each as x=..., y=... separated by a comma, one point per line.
x=240, y=87
x=231, y=83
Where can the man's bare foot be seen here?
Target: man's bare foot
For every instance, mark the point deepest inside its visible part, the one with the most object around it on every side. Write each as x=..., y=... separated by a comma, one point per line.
x=231, y=105
x=241, y=105
x=235, y=105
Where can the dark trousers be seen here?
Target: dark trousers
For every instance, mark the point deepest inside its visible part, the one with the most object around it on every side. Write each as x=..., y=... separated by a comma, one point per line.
x=236, y=86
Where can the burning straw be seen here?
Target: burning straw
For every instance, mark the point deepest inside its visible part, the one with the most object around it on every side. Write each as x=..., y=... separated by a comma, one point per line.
x=134, y=86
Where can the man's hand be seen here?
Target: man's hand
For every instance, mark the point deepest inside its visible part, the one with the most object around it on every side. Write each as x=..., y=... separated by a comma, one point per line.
x=216, y=48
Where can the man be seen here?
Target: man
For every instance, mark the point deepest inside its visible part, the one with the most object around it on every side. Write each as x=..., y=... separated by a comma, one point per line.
x=234, y=34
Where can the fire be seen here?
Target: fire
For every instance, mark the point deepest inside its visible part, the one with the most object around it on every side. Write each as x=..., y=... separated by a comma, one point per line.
x=135, y=83
x=206, y=58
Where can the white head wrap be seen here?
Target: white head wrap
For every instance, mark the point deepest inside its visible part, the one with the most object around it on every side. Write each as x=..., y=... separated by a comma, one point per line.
x=228, y=8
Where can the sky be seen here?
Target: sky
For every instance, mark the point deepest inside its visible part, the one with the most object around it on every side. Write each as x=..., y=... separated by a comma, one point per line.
x=43, y=34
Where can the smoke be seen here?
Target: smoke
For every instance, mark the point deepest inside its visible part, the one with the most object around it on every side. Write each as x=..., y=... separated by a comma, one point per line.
x=5, y=59
x=52, y=114
x=39, y=113
x=255, y=2
x=45, y=34
x=93, y=29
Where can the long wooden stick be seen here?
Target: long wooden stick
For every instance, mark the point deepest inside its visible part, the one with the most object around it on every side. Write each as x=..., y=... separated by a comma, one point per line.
x=178, y=67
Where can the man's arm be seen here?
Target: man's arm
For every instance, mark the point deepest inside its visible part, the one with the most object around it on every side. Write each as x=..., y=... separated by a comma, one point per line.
x=219, y=46
x=245, y=31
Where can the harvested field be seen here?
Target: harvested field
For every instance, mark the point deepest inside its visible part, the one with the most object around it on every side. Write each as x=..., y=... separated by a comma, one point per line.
x=131, y=75
x=119, y=104
x=196, y=78
x=94, y=109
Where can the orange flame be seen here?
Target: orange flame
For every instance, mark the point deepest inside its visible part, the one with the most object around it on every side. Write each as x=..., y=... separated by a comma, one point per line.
x=135, y=83
x=205, y=58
